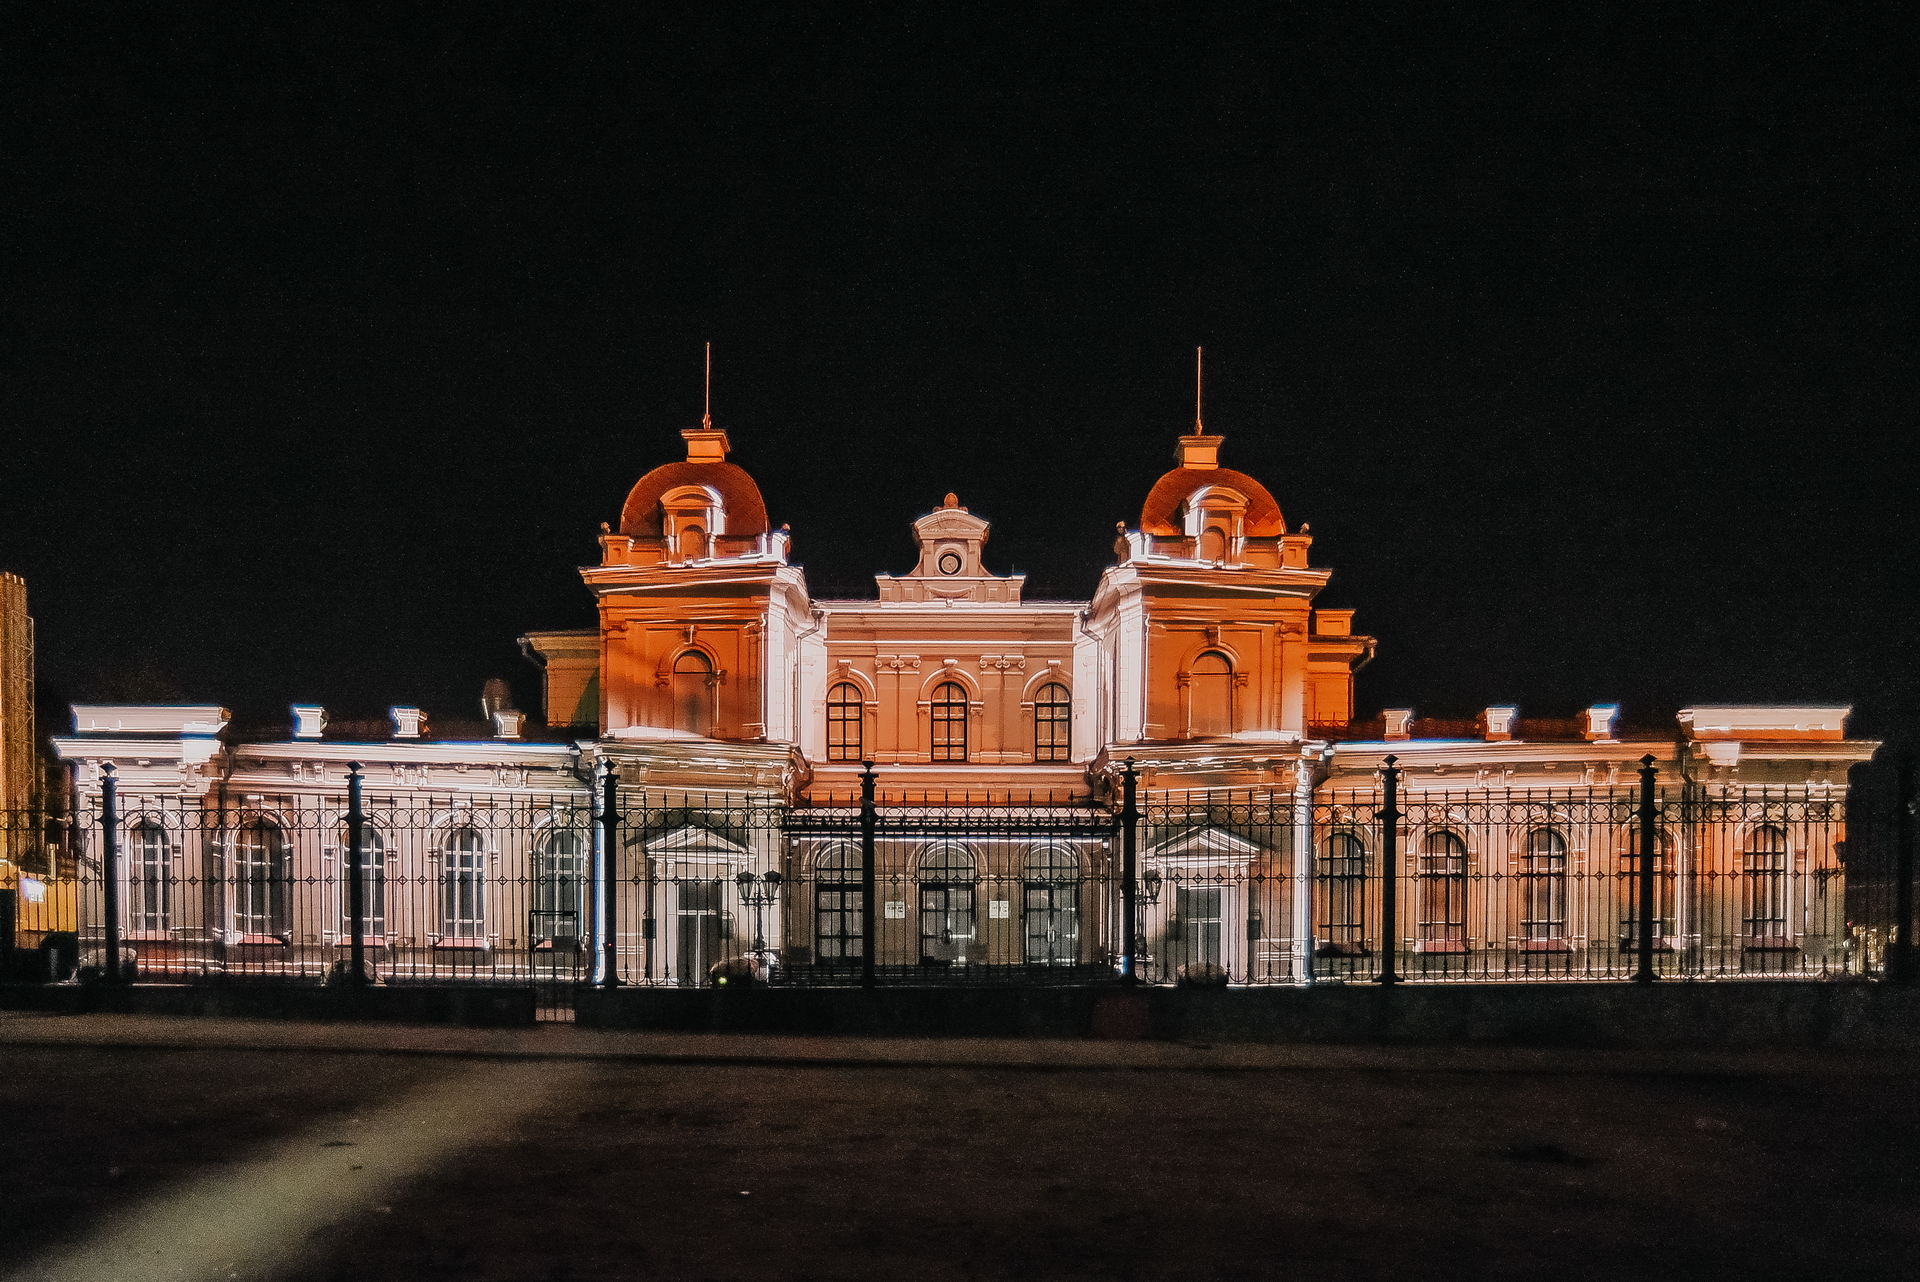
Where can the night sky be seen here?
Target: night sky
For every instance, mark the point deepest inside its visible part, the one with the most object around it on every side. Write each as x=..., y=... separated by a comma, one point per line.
x=1586, y=346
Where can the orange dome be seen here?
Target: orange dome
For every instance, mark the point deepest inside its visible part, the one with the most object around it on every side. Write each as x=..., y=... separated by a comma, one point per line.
x=1161, y=513
x=746, y=510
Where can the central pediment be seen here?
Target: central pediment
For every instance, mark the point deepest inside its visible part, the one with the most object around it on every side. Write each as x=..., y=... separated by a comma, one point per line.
x=950, y=569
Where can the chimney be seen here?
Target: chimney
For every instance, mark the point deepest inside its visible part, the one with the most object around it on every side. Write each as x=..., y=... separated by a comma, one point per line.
x=1399, y=721
x=1499, y=722
x=1600, y=719
x=408, y=723
x=308, y=720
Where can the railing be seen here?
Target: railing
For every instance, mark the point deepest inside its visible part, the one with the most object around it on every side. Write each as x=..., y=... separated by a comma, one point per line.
x=1227, y=886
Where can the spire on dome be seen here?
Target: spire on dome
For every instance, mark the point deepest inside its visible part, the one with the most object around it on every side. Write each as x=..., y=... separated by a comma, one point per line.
x=706, y=443
x=1198, y=449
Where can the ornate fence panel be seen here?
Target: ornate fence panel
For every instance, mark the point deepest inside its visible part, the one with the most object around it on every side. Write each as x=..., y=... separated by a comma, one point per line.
x=1232, y=886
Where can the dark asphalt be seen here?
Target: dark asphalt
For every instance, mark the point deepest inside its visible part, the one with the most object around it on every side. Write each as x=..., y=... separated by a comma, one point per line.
x=557, y=1154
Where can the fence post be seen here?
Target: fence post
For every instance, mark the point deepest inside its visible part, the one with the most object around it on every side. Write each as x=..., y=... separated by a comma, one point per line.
x=869, y=881
x=356, y=884
x=1644, y=974
x=606, y=962
x=1900, y=947
x=1129, y=868
x=110, y=865
x=1390, y=875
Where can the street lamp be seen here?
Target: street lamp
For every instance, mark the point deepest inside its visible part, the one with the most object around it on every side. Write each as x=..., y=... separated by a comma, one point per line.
x=758, y=892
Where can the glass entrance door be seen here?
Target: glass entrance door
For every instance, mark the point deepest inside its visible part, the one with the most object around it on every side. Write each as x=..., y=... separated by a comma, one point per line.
x=699, y=930
x=1199, y=912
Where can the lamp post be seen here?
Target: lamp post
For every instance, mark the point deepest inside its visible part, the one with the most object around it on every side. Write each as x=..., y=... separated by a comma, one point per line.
x=1149, y=894
x=757, y=893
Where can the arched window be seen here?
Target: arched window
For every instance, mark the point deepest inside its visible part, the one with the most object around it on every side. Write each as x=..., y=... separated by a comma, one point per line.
x=693, y=693
x=693, y=542
x=260, y=879
x=1210, y=696
x=946, y=905
x=463, y=886
x=1443, y=889
x=839, y=922
x=1343, y=896
x=373, y=884
x=1763, y=909
x=1052, y=723
x=1543, y=886
x=1663, y=928
x=950, y=722
x=559, y=887
x=844, y=712
x=150, y=874
x=1052, y=906
x=1213, y=544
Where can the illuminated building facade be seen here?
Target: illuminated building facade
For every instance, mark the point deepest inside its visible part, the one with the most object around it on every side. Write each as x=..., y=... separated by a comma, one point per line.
x=714, y=679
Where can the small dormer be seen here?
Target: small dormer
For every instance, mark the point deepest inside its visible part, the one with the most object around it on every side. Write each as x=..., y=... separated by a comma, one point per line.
x=1215, y=518
x=691, y=518
x=950, y=566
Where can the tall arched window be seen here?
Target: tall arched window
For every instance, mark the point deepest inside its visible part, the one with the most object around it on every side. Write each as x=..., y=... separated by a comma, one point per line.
x=839, y=922
x=946, y=905
x=1052, y=906
x=260, y=879
x=1052, y=723
x=1543, y=886
x=844, y=712
x=1210, y=695
x=463, y=886
x=1443, y=890
x=559, y=886
x=693, y=693
x=150, y=874
x=373, y=884
x=950, y=722
x=693, y=542
x=1763, y=909
x=1343, y=896
x=1663, y=927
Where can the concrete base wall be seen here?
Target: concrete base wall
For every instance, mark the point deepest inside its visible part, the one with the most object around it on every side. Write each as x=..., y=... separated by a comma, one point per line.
x=1705, y=1015
x=470, y=1007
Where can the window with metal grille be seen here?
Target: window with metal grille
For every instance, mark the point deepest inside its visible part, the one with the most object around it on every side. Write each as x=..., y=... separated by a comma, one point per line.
x=844, y=710
x=463, y=885
x=1052, y=908
x=373, y=884
x=260, y=879
x=1764, y=885
x=559, y=887
x=839, y=922
x=950, y=722
x=1630, y=891
x=946, y=905
x=150, y=873
x=1543, y=886
x=1343, y=891
x=1443, y=888
x=1052, y=723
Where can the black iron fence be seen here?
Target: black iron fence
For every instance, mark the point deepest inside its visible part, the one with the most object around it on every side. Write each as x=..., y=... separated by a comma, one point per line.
x=1208, y=887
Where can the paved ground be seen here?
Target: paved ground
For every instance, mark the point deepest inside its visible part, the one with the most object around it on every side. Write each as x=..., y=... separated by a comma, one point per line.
x=150, y=1148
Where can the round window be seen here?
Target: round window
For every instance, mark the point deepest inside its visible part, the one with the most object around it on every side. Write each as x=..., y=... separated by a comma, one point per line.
x=949, y=563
